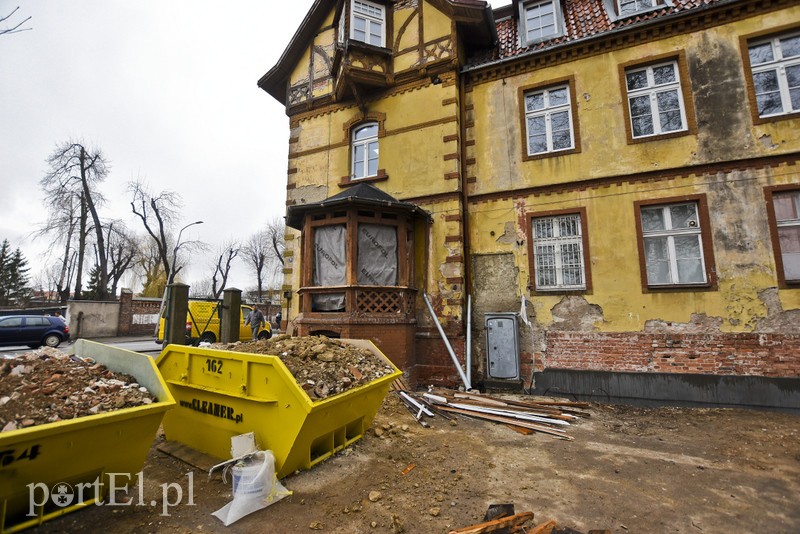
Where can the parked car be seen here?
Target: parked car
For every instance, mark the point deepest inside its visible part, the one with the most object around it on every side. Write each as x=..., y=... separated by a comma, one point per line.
x=202, y=323
x=32, y=330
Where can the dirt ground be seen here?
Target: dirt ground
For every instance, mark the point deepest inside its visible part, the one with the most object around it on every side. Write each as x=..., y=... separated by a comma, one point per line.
x=644, y=470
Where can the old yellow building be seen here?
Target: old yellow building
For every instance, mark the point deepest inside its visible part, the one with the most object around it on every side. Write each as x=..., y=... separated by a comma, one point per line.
x=620, y=174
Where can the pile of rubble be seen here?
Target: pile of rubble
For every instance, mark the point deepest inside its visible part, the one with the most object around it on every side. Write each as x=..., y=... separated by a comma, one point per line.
x=321, y=366
x=46, y=386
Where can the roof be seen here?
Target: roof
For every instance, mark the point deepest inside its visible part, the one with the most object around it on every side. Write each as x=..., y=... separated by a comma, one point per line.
x=474, y=18
x=362, y=194
x=583, y=19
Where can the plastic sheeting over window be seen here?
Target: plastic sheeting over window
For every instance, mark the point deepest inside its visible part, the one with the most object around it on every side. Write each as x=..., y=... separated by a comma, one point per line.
x=377, y=255
x=330, y=265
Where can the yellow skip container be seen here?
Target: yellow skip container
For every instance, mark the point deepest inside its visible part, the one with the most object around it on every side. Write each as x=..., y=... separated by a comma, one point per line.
x=221, y=394
x=49, y=470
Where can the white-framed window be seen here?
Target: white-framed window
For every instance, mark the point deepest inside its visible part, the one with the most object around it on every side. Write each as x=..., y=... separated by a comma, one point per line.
x=558, y=253
x=364, y=151
x=787, y=220
x=548, y=120
x=368, y=23
x=655, y=99
x=540, y=20
x=673, y=244
x=629, y=7
x=775, y=65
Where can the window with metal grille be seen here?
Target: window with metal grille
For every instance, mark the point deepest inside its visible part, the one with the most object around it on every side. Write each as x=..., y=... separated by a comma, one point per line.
x=558, y=253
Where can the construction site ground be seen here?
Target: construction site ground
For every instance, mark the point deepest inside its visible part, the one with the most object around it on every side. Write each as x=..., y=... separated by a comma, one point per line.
x=629, y=470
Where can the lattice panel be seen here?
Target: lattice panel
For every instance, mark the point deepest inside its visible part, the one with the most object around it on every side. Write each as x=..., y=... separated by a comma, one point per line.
x=380, y=301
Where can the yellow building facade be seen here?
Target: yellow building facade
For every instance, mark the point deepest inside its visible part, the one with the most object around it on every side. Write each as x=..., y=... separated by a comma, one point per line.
x=621, y=176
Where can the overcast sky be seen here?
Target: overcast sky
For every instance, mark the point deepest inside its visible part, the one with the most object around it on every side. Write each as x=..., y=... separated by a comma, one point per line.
x=167, y=90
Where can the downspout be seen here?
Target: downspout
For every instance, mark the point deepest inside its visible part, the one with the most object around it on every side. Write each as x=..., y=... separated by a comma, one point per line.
x=462, y=148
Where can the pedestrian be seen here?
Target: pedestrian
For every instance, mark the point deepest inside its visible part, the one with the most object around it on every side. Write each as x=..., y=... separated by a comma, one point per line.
x=255, y=320
x=278, y=320
x=58, y=314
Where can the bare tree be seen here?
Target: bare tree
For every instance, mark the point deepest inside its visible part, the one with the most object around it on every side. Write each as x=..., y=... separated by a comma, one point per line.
x=158, y=213
x=122, y=252
x=222, y=269
x=276, y=229
x=74, y=176
x=201, y=289
x=255, y=253
x=16, y=28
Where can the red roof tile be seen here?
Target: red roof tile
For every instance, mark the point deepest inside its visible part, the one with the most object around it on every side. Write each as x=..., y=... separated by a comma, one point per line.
x=583, y=18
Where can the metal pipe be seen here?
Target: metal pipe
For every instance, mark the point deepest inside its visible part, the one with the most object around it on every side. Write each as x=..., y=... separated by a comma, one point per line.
x=447, y=343
x=469, y=339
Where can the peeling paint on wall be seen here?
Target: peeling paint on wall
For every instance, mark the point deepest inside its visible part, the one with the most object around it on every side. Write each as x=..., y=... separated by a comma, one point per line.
x=574, y=313
x=777, y=320
x=308, y=194
x=509, y=236
x=700, y=323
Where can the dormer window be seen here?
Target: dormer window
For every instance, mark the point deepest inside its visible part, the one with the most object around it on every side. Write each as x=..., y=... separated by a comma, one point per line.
x=631, y=7
x=540, y=20
x=368, y=23
x=365, y=151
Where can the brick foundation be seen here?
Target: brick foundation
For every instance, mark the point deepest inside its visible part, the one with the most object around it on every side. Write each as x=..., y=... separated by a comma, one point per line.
x=768, y=355
x=396, y=340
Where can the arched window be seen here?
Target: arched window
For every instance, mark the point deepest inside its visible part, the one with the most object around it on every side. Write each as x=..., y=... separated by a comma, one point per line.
x=364, y=155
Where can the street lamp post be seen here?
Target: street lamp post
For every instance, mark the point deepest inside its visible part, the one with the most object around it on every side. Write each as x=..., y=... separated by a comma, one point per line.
x=171, y=274
x=171, y=277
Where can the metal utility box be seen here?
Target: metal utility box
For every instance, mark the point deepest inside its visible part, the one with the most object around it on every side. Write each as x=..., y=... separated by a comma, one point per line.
x=502, y=346
x=222, y=394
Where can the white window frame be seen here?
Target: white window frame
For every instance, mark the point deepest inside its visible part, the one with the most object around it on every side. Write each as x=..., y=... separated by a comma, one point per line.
x=638, y=6
x=366, y=144
x=652, y=91
x=524, y=21
x=778, y=64
x=547, y=112
x=787, y=223
x=372, y=15
x=558, y=242
x=671, y=233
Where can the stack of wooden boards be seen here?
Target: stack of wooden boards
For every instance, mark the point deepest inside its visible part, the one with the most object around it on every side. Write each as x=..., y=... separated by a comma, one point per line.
x=547, y=416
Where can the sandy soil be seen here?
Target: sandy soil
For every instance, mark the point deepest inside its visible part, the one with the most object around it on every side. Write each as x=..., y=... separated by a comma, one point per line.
x=642, y=470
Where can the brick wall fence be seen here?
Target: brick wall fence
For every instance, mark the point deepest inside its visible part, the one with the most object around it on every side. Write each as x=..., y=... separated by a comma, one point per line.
x=137, y=315
x=746, y=354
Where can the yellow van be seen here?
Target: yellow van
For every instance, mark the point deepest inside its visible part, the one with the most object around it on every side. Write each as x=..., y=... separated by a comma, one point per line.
x=202, y=323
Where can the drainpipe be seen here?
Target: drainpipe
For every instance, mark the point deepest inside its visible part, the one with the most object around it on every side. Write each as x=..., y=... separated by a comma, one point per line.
x=464, y=378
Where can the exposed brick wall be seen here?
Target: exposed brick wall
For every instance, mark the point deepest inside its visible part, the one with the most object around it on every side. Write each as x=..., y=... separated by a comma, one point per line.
x=396, y=341
x=434, y=365
x=772, y=355
x=137, y=315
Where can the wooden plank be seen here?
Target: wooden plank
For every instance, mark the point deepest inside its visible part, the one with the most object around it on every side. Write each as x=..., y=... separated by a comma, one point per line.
x=495, y=524
x=543, y=528
x=557, y=432
x=520, y=430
